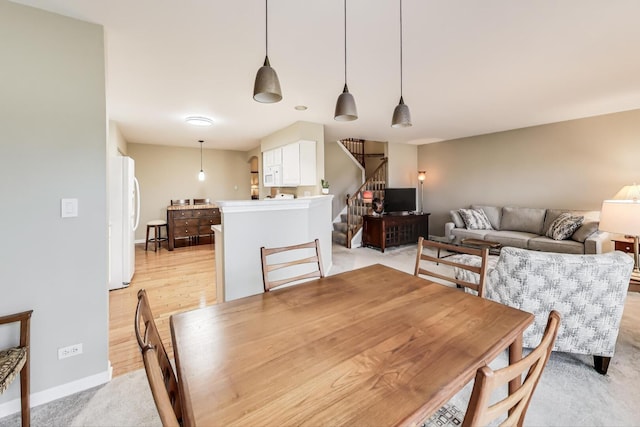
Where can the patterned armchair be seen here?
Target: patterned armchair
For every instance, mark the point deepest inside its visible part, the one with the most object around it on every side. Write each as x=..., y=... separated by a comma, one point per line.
x=589, y=291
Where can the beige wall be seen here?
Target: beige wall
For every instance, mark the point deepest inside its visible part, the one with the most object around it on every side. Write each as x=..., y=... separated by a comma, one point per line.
x=167, y=173
x=343, y=174
x=403, y=165
x=574, y=164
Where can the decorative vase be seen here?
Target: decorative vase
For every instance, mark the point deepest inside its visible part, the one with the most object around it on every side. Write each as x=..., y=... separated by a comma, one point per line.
x=325, y=190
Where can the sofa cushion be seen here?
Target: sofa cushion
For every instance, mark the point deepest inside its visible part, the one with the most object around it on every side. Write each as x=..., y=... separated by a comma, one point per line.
x=475, y=219
x=456, y=218
x=547, y=244
x=493, y=213
x=463, y=233
x=518, y=239
x=564, y=226
x=528, y=220
x=584, y=231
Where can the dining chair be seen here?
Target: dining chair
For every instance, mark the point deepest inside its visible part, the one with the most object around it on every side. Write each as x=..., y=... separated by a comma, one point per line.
x=458, y=265
x=201, y=201
x=481, y=411
x=180, y=202
x=315, y=260
x=15, y=360
x=162, y=379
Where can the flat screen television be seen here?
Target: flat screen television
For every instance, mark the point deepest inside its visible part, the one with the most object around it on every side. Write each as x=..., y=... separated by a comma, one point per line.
x=398, y=200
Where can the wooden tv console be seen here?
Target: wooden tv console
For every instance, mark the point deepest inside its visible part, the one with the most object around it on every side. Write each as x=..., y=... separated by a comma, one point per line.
x=394, y=230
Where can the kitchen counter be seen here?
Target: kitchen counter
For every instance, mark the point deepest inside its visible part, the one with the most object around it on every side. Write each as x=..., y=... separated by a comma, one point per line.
x=247, y=225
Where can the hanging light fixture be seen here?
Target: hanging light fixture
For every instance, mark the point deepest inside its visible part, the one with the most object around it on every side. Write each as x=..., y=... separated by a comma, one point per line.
x=201, y=173
x=401, y=114
x=346, y=110
x=266, y=88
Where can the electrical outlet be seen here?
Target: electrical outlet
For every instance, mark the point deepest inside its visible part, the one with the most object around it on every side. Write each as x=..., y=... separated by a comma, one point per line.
x=72, y=350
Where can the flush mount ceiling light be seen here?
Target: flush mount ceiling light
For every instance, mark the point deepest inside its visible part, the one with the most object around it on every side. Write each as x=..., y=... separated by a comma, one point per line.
x=346, y=110
x=401, y=114
x=201, y=173
x=266, y=88
x=199, y=121
x=300, y=107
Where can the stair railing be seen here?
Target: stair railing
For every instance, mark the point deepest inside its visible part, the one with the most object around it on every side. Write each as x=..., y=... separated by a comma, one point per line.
x=357, y=206
x=356, y=148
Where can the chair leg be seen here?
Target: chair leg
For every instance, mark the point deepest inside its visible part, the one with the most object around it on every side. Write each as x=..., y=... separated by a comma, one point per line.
x=146, y=242
x=24, y=395
x=156, y=244
x=601, y=363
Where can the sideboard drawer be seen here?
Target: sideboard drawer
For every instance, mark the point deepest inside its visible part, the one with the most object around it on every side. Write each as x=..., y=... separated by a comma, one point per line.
x=188, y=231
x=182, y=223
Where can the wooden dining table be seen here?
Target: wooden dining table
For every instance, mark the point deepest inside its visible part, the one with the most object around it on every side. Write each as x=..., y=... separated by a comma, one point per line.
x=372, y=346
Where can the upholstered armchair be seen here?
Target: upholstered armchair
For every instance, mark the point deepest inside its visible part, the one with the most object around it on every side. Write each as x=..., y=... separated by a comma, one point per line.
x=588, y=291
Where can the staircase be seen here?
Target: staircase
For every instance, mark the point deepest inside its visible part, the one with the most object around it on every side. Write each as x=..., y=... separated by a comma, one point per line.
x=357, y=206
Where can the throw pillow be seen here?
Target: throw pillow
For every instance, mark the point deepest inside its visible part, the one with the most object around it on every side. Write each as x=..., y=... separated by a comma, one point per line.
x=475, y=219
x=564, y=226
x=457, y=219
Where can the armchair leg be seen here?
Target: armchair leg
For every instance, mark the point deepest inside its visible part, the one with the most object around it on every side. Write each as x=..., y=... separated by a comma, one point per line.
x=601, y=363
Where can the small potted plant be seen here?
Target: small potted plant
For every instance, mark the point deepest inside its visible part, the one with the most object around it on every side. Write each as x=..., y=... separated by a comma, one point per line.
x=325, y=186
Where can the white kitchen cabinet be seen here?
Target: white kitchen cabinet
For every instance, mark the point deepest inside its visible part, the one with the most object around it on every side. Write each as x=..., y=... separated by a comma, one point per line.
x=308, y=163
x=290, y=165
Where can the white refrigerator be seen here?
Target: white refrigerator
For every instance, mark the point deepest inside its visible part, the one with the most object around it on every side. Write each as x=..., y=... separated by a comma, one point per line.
x=124, y=217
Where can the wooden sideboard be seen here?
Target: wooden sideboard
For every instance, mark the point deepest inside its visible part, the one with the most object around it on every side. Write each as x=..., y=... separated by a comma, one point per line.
x=191, y=222
x=393, y=230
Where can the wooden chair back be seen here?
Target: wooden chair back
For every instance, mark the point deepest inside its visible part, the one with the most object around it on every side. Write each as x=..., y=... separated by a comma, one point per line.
x=162, y=379
x=481, y=412
x=201, y=201
x=180, y=202
x=25, y=337
x=481, y=270
x=267, y=268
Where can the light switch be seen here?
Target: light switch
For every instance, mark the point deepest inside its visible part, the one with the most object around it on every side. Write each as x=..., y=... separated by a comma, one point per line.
x=69, y=208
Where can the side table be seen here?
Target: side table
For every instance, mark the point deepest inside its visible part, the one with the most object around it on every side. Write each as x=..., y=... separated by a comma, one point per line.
x=626, y=245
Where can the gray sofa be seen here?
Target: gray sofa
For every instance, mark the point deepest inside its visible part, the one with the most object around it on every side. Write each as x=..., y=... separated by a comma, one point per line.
x=526, y=228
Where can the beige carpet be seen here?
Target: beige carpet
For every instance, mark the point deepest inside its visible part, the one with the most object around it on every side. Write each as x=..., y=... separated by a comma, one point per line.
x=570, y=393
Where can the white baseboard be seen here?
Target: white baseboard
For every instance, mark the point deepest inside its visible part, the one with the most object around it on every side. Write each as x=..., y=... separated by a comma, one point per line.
x=54, y=393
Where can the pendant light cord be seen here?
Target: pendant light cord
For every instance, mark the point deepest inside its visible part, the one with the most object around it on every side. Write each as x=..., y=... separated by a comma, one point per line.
x=266, y=27
x=400, y=48
x=201, y=155
x=345, y=42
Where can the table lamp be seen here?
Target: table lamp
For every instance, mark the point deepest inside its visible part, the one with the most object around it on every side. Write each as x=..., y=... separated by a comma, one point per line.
x=421, y=176
x=622, y=216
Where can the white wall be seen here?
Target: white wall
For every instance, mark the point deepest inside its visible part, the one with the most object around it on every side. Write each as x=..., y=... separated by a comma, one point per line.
x=53, y=136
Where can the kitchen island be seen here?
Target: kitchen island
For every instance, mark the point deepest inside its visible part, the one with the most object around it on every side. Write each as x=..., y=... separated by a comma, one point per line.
x=247, y=225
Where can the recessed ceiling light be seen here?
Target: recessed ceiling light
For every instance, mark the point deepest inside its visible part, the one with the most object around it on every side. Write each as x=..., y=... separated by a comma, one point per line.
x=300, y=107
x=199, y=121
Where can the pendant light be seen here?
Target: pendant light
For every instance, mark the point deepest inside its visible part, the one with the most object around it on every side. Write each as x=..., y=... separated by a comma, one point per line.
x=201, y=173
x=401, y=114
x=346, y=110
x=266, y=88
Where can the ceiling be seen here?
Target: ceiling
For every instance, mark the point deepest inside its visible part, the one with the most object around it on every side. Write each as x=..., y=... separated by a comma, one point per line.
x=470, y=67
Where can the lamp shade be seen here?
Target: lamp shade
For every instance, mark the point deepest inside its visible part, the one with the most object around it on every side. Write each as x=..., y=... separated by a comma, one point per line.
x=401, y=116
x=346, y=110
x=620, y=216
x=628, y=192
x=422, y=175
x=266, y=88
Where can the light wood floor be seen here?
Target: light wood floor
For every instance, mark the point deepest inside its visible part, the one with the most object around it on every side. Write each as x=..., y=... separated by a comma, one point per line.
x=175, y=281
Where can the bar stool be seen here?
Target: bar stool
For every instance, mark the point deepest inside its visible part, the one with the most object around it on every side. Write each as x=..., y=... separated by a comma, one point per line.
x=157, y=238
